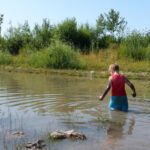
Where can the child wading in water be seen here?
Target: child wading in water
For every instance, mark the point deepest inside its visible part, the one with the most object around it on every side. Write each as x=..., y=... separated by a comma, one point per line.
x=118, y=100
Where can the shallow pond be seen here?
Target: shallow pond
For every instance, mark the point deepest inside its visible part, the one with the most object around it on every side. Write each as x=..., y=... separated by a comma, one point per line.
x=38, y=104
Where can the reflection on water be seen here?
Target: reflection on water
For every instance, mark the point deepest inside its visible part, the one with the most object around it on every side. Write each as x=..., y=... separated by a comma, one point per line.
x=37, y=104
x=116, y=128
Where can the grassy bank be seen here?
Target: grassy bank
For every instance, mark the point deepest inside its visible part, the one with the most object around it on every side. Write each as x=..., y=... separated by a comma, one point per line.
x=93, y=62
x=62, y=58
x=103, y=59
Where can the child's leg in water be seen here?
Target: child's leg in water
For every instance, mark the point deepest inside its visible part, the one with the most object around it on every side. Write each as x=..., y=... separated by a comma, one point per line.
x=118, y=103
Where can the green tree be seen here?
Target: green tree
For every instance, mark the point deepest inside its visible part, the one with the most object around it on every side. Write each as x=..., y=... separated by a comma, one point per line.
x=111, y=23
x=17, y=38
x=26, y=34
x=85, y=38
x=67, y=31
x=1, y=21
x=42, y=34
x=101, y=26
x=14, y=41
x=115, y=24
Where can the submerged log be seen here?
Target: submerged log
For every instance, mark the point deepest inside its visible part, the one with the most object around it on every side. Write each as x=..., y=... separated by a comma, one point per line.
x=60, y=134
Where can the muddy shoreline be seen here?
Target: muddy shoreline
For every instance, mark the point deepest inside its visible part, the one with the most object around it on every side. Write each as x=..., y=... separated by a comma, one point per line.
x=80, y=73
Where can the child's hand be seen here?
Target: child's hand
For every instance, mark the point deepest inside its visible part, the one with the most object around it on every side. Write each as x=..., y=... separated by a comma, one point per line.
x=134, y=94
x=100, y=98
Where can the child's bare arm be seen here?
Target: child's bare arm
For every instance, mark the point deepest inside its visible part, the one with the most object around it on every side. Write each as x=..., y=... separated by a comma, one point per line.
x=106, y=90
x=131, y=86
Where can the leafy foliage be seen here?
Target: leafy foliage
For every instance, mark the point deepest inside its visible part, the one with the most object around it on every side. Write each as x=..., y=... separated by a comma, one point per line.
x=67, y=31
x=1, y=21
x=134, y=46
x=110, y=23
x=5, y=58
x=58, y=46
x=85, y=37
x=41, y=35
x=63, y=56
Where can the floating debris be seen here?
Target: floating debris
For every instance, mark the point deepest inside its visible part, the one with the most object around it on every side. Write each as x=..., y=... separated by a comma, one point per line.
x=15, y=134
x=18, y=133
x=60, y=134
x=36, y=145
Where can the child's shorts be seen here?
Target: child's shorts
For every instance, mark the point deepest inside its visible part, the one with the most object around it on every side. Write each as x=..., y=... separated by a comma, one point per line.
x=118, y=103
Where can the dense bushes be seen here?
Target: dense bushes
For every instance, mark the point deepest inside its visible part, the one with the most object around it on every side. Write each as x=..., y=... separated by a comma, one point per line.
x=67, y=31
x=63, y=56
x=5, y=58
x=58, y=56
x=41, y=35
x=84, y=37
x=20, y=37
x=135, y=46
x=58, y=46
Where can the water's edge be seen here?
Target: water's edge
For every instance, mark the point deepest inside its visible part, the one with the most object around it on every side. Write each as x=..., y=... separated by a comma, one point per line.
x=80, y=73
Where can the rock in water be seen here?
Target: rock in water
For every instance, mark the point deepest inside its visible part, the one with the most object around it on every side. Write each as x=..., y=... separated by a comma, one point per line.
x=39, y=144
x=60, y=134
x=75, y=135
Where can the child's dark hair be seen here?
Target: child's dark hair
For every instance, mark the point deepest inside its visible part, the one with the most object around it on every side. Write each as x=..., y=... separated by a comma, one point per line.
x=116, y=68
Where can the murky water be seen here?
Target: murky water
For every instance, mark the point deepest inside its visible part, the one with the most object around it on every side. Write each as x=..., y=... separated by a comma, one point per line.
x=39, y=104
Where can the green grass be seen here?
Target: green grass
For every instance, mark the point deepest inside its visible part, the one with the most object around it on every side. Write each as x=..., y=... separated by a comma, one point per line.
x=135, y=46
x=63, y=56
x=102, y=60
x=5, y=58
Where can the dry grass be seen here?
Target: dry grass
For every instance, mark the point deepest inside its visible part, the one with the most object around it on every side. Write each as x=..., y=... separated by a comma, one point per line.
x=93, y=61
x=101, y=61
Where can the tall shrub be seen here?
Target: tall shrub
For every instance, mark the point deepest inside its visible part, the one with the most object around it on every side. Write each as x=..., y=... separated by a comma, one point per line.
x=62, y=56
x=42, y=35
x=134, y=46
x=67, y=31
x=5, y=58
x=17, y=37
